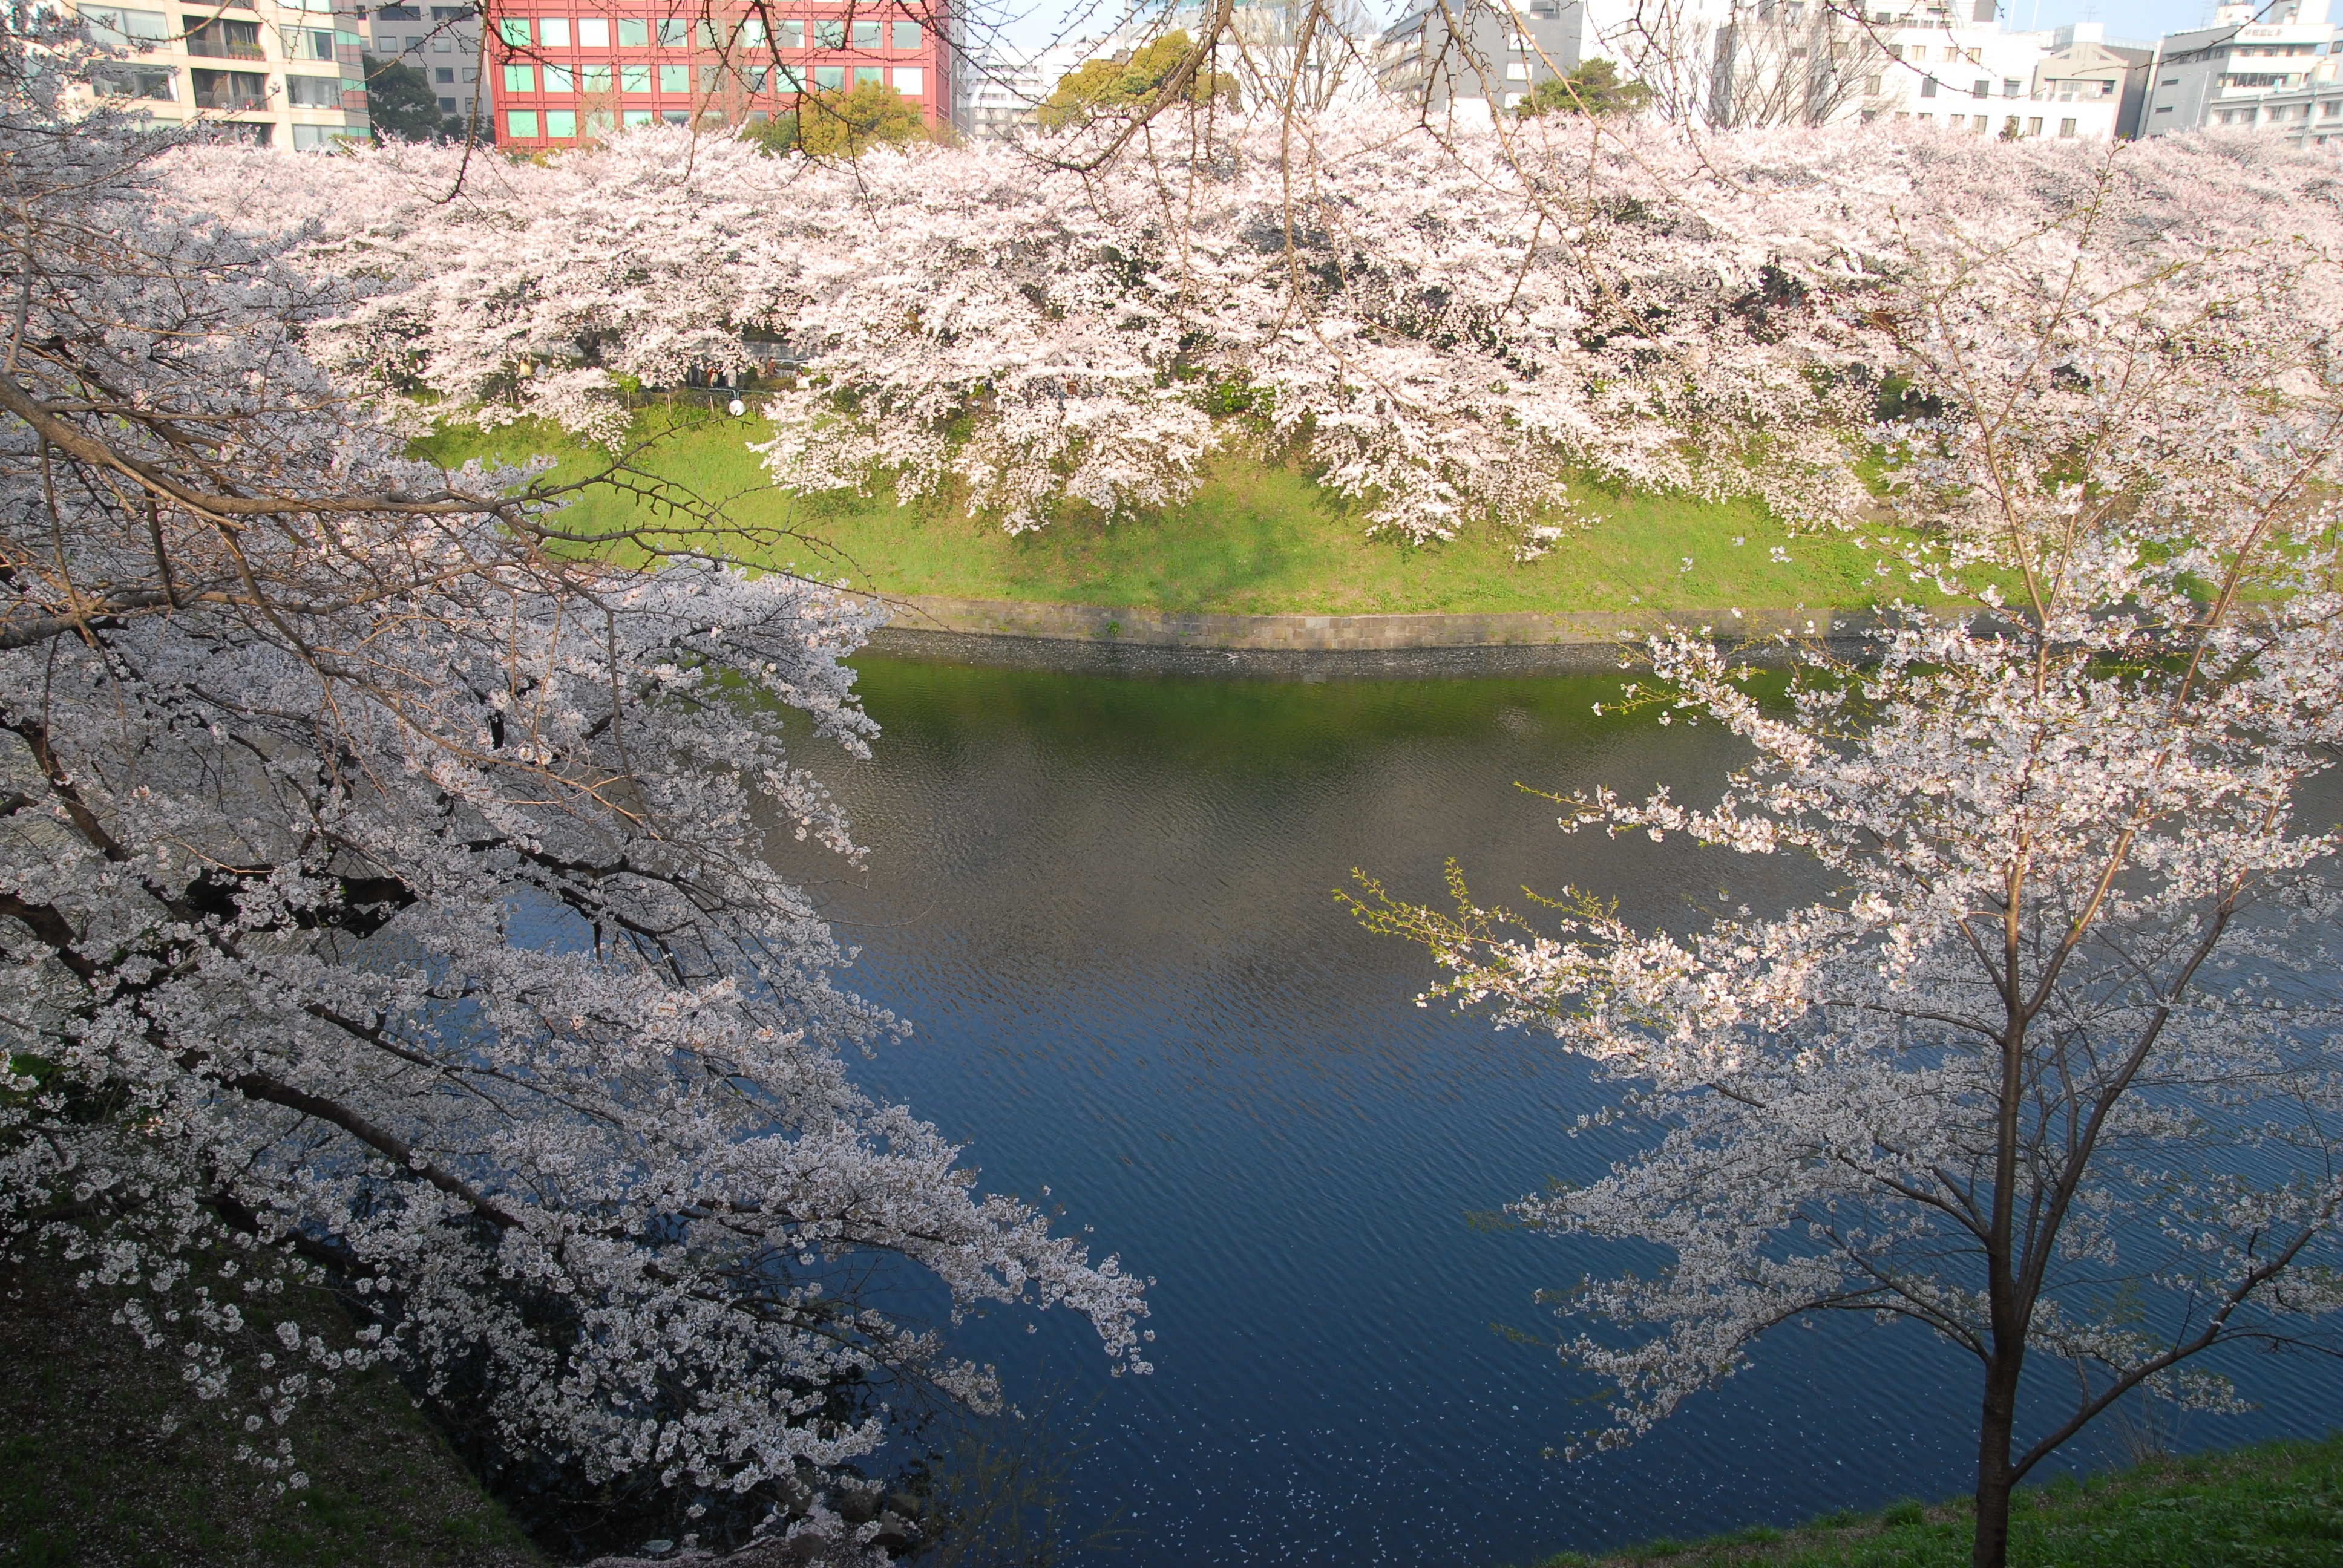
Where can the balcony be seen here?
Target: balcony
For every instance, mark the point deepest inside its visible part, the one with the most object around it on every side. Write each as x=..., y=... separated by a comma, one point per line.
x=230, y=92
x=225, y=41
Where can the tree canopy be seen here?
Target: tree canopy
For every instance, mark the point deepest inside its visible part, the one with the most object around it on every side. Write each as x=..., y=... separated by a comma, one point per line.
x=848, y=124
x=1128, y=81
x=1590, y=88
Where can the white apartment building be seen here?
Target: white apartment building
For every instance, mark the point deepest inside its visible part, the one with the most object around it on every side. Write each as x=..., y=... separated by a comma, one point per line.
x=443, y=42
x=285, y=73
x=1005, y=89
x=2275, y=68
x=1961, y=72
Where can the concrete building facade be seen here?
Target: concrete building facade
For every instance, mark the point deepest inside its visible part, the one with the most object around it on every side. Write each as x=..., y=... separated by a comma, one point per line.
x=286, y=76
x=443, y=42
x=2273, y=69
x=563, y=70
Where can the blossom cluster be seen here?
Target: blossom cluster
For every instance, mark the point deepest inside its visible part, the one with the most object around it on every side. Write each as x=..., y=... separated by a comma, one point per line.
x=1446, y=328
x=386, y=903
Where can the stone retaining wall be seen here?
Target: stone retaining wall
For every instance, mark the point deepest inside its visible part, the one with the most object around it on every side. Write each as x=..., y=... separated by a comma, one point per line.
x=1106, y=639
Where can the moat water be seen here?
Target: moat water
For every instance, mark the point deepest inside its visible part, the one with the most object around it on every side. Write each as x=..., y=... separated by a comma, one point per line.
x=1108, y=906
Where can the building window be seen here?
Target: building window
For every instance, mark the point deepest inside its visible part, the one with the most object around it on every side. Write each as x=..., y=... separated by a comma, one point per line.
x=829, y=35
x=1872, y=84
x=593, y=33
x=675, y=33
x=866, y=36
x=452, y=12
x=471, y=73
x=791, y=34
x=218, y=40
x=318, y=138
x=111, y=79
x=447, y=105
x=125, y=29
x=907, y=35
x=635, y=78
x=593, y=78
x=444, y=76
x=230, y=90
x=712, y=77
x=312, y=92
x=674, y=78
x=2065, y=127
x=553, y=32
x=1928, y=87
x=828, y=78
x=752, y=34
x=634, y=33
x=1981, y=90
x=513, y=30
x=558, y=79
x=307, y=43
x=870, y=73
x=907, y=80
x=2330, y=108
x=2011, y=87
x=520, y=79
x=521, y=124
x=562, y=122
x=635, y=117
x=2034, y=125
x=676, y=116
x=1517, y=71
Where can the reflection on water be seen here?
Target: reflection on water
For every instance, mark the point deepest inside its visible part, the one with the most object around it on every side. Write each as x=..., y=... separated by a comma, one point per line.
x=1107, y=905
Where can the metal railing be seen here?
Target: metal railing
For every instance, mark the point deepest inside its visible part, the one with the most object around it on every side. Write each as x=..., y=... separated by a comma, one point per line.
x=220, y=49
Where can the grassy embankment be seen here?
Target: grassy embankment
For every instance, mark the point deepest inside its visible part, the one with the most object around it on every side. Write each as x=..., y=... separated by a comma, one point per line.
x=90, y=1477
x=1254, y=539
x=2276, y=1505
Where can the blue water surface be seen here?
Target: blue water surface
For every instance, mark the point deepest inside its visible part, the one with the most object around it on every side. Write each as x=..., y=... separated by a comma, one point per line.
x=1107, y=905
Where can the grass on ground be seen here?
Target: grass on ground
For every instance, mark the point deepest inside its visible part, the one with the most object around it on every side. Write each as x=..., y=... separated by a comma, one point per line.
x=89, y=1479
x=1254, y=539
x=2278, y=1506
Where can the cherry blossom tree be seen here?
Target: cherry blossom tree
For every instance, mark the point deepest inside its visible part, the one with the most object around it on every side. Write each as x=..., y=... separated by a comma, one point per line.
x=386, y=904
x=2050, y=1071
x=1441, y=330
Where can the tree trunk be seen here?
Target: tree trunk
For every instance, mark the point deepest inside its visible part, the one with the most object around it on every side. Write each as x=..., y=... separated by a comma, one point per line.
x=1991, y=1546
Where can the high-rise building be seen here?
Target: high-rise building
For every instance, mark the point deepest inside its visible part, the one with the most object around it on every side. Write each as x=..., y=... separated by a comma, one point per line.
x=443, y=42
x=2273, y=68
x=565, y=69
x=285, y=73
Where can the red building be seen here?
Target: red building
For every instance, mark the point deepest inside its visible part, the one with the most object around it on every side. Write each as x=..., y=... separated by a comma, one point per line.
x=559, y=71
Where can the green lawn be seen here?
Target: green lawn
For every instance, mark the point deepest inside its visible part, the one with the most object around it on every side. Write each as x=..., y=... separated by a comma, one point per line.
x=2279, y=1505
x=1254, y=539
x=89, y=1478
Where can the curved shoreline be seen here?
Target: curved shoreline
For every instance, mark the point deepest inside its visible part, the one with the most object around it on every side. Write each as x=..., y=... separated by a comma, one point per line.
x=1076, y=639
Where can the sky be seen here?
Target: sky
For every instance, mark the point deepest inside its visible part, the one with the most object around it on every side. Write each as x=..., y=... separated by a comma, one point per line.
x=2147, y=20
x=1028, y=23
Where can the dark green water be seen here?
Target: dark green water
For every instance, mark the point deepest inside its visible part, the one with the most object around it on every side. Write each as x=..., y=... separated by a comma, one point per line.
x=1108, y=906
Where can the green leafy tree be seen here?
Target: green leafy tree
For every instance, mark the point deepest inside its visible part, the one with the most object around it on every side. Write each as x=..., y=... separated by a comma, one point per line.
x=1593, y=88
x=774, y=137
x=402, y=105
x=1128, y=81
x=844, y=125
